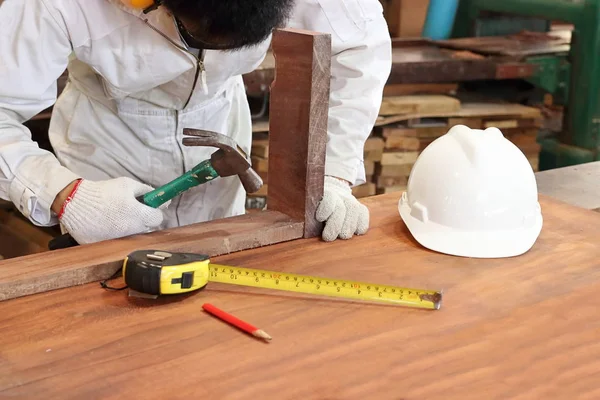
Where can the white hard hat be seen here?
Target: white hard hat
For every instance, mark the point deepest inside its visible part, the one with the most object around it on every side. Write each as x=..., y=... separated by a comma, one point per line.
x=472, y=193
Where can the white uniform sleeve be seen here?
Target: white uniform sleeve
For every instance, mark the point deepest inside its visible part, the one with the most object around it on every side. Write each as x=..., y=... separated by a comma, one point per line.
x=361, y=64
x=34, y=51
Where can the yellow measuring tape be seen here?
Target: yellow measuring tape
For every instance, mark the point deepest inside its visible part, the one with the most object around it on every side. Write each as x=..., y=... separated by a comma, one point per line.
x=313, y=285
x=155, y=273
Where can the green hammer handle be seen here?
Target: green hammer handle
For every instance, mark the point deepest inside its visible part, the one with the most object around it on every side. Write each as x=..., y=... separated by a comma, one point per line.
x=201, y=173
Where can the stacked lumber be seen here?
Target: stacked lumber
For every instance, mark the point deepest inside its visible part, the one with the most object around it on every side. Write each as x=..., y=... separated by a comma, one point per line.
x=406, y=125
x=407, y=135
x=373, y=151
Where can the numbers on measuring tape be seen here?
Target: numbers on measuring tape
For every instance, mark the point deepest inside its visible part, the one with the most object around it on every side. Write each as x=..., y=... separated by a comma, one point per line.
x=320, y=286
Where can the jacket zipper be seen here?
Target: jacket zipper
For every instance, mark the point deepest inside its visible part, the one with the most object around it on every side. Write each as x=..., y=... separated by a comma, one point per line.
x=200, y=68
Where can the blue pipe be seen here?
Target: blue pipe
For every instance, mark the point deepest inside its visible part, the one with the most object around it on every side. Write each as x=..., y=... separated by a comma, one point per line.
x=440, y=19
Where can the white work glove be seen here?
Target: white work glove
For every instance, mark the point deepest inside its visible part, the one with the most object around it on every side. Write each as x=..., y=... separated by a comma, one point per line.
x=106, y=210
x=343, y=214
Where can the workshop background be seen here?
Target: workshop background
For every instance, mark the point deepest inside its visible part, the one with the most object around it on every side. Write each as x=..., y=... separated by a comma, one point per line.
x=481, y=63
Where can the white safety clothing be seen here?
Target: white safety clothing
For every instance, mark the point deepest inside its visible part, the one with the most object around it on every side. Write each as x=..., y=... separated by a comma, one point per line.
x=108, y=209
x=344, y=214
x=131, y=92
x=473, y=193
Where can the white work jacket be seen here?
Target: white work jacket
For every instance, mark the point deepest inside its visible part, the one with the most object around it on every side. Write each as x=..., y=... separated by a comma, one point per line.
x=131, y=92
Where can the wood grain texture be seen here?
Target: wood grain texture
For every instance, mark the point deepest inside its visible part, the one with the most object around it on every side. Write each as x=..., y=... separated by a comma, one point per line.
x=364, y=190
x=369, y=168
x=518, y=45
x=407, y=143
x=19, y=237
x=386, y=181
x=23, y=276
x=298, y=125
x=418, y=61
x=431, y=88
x=517, y=328
x=471, y=110
x=399, y=157
x=390, y=132
x=394, y=170
x=419, y=104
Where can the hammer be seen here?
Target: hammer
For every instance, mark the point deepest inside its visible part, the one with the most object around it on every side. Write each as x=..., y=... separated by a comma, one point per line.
x=229, y=160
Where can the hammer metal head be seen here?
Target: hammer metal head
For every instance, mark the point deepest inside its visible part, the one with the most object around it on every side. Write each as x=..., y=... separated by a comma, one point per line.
x=229, y=160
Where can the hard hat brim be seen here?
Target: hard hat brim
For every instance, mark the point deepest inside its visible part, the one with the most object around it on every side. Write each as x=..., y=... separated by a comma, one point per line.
x=487, y=244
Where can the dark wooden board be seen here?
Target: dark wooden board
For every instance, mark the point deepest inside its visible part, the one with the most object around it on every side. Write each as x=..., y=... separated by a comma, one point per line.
x=517, y=328
x=57, y=269
x=298, y=126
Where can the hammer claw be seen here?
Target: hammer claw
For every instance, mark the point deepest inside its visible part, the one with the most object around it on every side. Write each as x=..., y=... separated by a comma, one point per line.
x=199, y=133
x=200, y=137
x=197, y=141
x=229, y=160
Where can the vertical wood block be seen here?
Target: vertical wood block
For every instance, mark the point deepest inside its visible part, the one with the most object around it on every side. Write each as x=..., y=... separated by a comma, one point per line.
x=298, y=124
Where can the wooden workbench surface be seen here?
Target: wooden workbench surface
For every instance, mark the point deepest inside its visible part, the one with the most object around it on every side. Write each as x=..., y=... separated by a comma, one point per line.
x=518, y=328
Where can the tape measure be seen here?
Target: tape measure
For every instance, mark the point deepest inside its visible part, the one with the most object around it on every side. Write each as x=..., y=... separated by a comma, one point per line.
x=156, y=273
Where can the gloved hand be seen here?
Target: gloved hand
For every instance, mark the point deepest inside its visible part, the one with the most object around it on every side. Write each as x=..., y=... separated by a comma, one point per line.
x=105, y=210
x=342, y=213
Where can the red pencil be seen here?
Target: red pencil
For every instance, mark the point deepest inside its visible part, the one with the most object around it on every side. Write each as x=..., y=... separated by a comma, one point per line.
x=238, y=323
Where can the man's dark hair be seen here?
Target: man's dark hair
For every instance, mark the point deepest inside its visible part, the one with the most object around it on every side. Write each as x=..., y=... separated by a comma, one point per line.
x=235, y=23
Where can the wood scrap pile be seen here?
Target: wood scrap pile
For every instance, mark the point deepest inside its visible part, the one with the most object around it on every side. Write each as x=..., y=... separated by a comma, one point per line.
x=406, y=125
